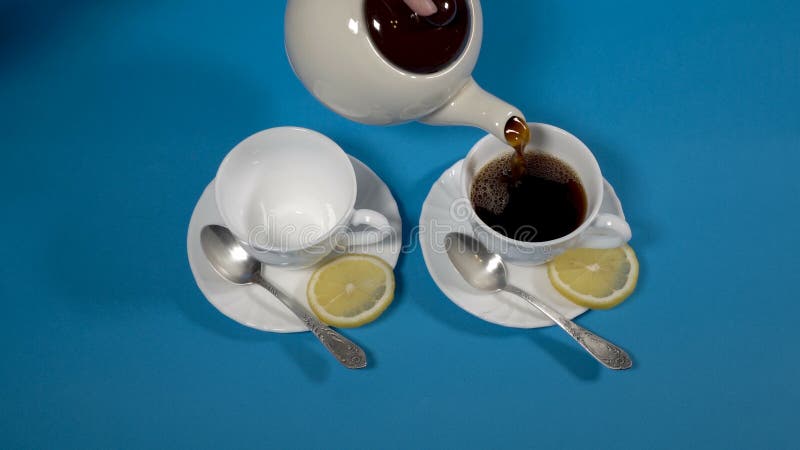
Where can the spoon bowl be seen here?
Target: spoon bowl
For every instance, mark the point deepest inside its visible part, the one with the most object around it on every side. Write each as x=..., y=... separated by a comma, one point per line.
x=482, y=269
x=227, y=257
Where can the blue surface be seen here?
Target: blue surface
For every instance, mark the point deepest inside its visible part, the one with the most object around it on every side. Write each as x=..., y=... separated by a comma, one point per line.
x=114, y=116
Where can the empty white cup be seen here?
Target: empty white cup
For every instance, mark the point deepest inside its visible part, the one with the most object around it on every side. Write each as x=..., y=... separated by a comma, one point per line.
x=288, y=195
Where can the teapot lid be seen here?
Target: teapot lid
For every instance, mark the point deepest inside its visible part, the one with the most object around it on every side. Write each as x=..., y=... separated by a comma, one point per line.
x=417, y=44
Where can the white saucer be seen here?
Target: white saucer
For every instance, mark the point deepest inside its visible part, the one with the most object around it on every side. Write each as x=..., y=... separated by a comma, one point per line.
x=440, y=215
x=252, y=305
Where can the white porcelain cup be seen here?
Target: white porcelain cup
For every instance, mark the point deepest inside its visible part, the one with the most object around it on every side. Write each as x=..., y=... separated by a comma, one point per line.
x=288, y=195
x=596, y=231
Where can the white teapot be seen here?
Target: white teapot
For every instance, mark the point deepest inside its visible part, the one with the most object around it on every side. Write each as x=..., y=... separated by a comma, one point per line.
x=332, y=52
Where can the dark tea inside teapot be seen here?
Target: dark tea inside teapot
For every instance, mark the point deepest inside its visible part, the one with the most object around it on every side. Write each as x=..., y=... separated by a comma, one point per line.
x=418, y=44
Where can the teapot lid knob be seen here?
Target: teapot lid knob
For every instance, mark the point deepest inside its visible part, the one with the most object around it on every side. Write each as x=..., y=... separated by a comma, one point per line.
x=446, y=11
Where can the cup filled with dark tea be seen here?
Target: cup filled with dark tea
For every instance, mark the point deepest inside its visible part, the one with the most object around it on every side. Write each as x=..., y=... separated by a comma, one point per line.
x=532, y=204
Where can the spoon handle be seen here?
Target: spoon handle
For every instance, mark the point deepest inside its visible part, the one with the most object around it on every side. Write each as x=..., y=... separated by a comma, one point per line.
x=346, y=351
x=607, y=353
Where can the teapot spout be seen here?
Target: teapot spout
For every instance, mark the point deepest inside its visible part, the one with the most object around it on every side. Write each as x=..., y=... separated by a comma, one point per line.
x=475, y=107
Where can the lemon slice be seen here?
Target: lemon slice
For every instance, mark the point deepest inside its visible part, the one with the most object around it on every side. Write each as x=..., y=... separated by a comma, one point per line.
x=592, y=278
x=351, y=291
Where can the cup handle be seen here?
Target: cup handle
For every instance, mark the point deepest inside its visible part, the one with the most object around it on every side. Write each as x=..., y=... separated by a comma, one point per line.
x=373, y=219
x=606, y=231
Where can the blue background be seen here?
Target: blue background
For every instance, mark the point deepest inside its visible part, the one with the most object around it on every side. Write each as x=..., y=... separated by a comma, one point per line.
x=114, y=116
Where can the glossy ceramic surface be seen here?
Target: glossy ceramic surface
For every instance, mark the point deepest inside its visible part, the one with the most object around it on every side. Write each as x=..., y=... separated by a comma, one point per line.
x=330, y=50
